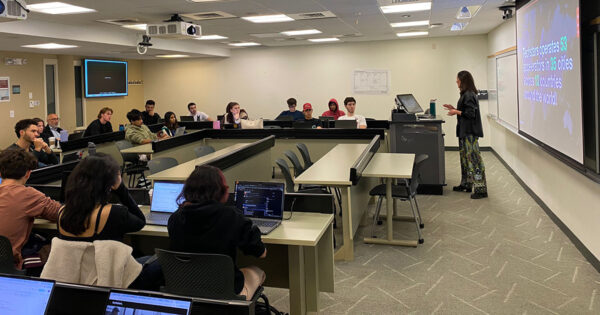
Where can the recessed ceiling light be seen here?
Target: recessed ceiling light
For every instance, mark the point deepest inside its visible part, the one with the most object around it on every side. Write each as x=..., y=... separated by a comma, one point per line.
x=172, y=56
x=411, y=23
x=408, y=7
x=301, y=32
x=467, y=12
x=268, y=18
x=139, y=27
x=244, y=44
x=410, y=34
x=211, y=37
x=322, y=40
x=49, y=46
x=458, y=26
x=58, y=8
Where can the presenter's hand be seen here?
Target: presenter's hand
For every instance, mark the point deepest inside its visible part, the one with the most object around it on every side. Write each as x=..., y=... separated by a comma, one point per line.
x=452, y=112
x=448, y=106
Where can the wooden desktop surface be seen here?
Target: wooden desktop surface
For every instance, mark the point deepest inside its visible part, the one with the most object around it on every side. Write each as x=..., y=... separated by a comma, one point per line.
x=390, y=165
x=182, y=171
x=140, y=149
x=334, y=167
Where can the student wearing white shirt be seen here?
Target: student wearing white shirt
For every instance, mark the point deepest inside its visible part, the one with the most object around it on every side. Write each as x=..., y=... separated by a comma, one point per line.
x=350, y=103
x=198, y=116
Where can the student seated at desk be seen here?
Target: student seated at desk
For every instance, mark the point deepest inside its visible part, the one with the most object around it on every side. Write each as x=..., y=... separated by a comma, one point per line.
x=350, y=103
x=138, y=133
x=334, y=110
x=204, y=224
x=197, y=115
x=20, y=205
x=40, y=126
x=29, y=140
x=52, y=129
x=233, y=114
x=307, y=111
x=149, y=116
x=171, y=124
x=100, y=125
x=296, y=115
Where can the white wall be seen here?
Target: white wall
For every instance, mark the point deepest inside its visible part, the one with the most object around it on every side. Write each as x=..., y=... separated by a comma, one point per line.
x=572, y=197
x=261, y=79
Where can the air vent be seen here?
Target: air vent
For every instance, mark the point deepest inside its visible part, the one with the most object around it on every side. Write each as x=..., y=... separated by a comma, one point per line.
x=121, y=22
x=268, y=35
x=312, y=15
x=211, y=15
x=352, y=35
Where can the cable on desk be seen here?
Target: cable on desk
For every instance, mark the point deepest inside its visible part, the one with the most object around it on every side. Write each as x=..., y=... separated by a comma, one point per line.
x=291, y=209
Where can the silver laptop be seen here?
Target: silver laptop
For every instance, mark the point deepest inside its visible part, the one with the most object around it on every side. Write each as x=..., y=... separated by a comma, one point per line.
x=262, y=202
x=20, y=295
x=164, y=202
x=179, y=131
x=137, y=302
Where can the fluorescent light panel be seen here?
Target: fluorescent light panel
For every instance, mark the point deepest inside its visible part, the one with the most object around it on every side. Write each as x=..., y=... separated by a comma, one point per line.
x=58, y=8
x=323, y=40
x=410, y=23
x=49, y=46
x=411, y=34
x=244, y=44
x=211, y=37
x=408, y=7
x=139, y=27
x=268, y=18
x=467, y=12
x=172, y=56
x=301, y=32
x=458, y=26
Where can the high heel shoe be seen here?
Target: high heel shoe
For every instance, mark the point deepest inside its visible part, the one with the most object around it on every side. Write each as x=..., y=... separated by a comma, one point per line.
x=462, y=188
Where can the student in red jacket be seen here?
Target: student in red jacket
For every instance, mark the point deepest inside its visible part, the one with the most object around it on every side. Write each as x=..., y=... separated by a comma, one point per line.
x=334, y=110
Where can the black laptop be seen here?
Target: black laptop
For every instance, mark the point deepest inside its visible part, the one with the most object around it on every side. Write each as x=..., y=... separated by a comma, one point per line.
x=138, y=302
x=345, y=124
x=262, y=202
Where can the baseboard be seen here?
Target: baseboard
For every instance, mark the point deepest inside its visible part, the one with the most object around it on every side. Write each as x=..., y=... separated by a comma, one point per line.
x=486, y=149
x=563, y=227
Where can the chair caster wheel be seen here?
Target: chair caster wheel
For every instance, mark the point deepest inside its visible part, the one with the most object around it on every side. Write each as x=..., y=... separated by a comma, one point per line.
x=421, y=241
x=422, y=225
x=379, y=222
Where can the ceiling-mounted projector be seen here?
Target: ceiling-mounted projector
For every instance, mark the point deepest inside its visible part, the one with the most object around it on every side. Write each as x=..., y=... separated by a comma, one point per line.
x=175, y=29
x=11, y=10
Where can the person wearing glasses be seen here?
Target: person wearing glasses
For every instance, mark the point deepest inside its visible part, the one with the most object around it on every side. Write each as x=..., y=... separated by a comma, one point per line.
x=307, y=111
x=52, y=129
x=296, y=115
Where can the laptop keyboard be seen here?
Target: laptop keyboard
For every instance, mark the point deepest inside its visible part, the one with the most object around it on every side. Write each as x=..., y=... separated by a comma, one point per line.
x=155, y=216
x=265, y=223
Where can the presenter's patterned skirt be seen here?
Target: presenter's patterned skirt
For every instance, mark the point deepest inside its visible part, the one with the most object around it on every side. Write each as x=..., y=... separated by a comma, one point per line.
x=471, y=165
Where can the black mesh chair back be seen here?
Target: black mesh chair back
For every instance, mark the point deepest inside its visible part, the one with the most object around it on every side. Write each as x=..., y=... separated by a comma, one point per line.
x=285, y=170
x=298, y=169
x=160, y=164
x=198, y=275
x=203, y=150
x=305, y=155
x=416, y=173
x=127, y=157
x=7, y=262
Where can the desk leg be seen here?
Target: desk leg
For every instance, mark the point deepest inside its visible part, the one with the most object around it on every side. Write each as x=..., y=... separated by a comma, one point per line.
x=346, y=251
x=311, y=272
x=297, y=280
x=326, y=262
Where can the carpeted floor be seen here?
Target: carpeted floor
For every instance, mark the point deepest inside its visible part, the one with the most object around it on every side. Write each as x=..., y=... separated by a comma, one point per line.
x=500, y=255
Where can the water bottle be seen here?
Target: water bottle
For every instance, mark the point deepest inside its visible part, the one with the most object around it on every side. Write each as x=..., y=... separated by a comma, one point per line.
x=91, y=148
x=121, y=127
x=432, y=107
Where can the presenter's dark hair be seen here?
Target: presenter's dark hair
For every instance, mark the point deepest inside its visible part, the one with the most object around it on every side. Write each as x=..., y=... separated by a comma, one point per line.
x=150, y=102
x=349, y=99
x=190, y=105
x=168, y=123
x=104, y=110
x=466, y=82
x=291, y=101
x=23, y=124
x=14, y=163
x=88, y=186
x=134, y=115
x=204, y=184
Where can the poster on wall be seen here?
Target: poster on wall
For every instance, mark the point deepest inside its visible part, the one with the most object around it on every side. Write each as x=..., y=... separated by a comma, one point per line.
x=4, y=89
x=371, y=81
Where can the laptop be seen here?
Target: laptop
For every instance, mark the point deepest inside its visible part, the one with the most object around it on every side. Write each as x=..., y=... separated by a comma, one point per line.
x=136, y=302
x=345, y=124
x=164, y=202
x=24, y=296
x=186, y=118
x=262, y=202
x=73, y=156
x=179, y=131
x=302, y=124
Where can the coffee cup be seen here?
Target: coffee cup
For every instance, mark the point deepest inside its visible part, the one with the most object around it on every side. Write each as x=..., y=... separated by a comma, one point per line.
x=52, y=142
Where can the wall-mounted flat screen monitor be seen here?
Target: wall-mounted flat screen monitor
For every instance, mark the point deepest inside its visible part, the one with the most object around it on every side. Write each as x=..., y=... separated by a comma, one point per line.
x=105, y=78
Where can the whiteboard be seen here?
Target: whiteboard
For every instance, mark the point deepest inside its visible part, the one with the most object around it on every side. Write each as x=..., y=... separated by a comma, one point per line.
x=492, y=91
x=506, y=82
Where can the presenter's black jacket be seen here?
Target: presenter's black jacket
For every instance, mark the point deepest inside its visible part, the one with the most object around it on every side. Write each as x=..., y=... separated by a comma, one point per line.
x=215, y=228
x=97, y=128
x=469, y=122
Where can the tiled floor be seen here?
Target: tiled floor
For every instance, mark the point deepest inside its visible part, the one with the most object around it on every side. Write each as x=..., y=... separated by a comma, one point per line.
x=500, y=255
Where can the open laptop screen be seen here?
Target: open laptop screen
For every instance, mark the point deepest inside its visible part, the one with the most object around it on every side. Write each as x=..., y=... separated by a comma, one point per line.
x=260, y=200
x=410, y=103
x=24, y=295
x=164, y=196
x=123, y=302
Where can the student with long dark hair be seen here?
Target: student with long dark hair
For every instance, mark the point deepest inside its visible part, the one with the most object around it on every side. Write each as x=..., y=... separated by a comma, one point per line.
x=233, y=113
x=204, y=224
x=171, y=124
x=468, y=131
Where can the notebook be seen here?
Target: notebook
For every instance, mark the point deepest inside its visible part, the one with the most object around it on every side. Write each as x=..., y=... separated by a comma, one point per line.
x=134, y=302
x=262, y=202
x=179, y=131
x=164, y=202
x=24, y=296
